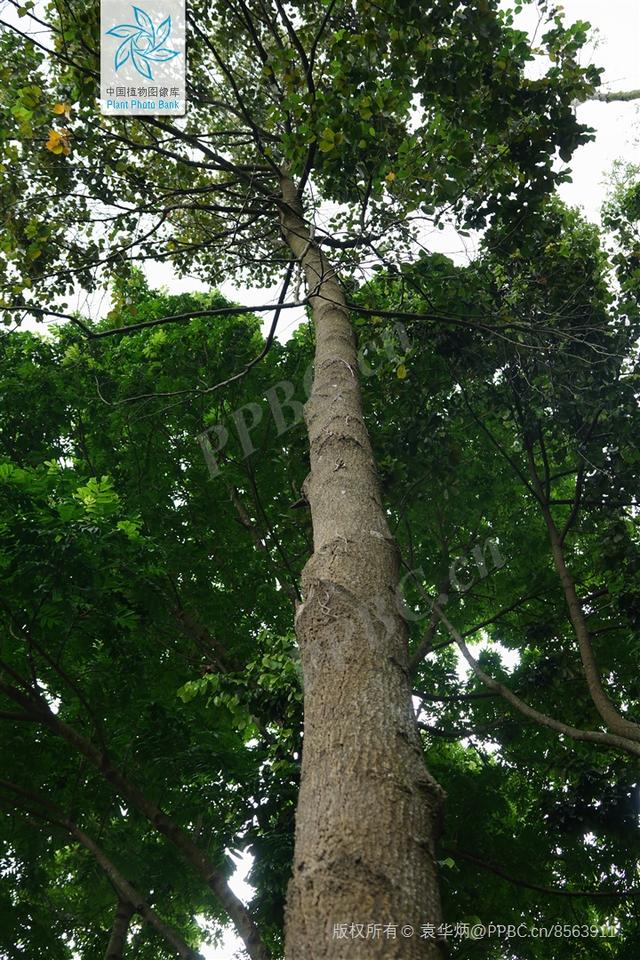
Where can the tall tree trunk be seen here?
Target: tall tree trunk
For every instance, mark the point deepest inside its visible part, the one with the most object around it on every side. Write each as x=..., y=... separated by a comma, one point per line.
x=368, y=810
x=119, y=931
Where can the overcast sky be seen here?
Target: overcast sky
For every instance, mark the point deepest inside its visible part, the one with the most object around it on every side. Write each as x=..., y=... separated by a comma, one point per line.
x=616, y=47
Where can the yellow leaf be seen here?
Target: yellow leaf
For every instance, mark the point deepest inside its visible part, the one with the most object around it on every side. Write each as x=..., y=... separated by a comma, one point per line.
x=390, y=177
x=53, y=143
x=59, y=141
x=401, y=372
x=60, y=108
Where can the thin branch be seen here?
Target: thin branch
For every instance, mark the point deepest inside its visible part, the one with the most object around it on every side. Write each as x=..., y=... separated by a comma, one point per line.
x=528, y=885
x=160, y=321
x=453, y=697
x=190, y=391
x=622, y=95
x=593, y=736
x=180, y=838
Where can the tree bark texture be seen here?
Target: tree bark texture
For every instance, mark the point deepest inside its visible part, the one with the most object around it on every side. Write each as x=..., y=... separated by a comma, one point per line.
x=368, y=810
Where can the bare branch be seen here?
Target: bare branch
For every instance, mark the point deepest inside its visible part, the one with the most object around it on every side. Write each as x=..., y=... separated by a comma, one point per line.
x=613, y=95
x=528, y=885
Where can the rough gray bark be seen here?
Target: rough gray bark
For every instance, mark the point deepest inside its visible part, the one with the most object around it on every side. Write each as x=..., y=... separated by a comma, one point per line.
x=119, y=931
x=368, y=810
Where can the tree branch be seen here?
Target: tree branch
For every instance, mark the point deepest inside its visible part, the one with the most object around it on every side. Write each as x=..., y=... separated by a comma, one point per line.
x=601, y=700
x=621, y=95
x=593, y=736
x=119, y=930
x=214, y=879
x=128, y=895
x=551, y=891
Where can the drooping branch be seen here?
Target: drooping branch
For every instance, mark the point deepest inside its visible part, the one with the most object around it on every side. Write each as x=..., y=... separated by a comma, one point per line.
x=575, y=733
x=100, y=760
x=194, y=391
x=231, y=311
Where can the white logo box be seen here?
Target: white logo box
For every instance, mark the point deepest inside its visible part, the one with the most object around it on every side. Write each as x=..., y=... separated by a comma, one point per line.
x=143, y=57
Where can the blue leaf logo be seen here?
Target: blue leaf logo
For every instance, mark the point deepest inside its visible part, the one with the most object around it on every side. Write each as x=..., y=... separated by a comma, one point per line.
x=141, y=43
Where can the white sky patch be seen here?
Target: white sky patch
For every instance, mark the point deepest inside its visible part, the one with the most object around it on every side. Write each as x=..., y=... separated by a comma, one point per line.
x=617, y=125
x=231, y=946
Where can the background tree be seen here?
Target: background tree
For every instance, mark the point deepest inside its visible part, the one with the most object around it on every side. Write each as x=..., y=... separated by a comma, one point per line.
x=495, y=414
x=114, y=603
